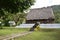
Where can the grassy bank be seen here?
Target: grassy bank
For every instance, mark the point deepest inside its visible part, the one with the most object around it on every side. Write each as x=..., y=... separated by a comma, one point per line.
x=43, y=34
x=8, y=31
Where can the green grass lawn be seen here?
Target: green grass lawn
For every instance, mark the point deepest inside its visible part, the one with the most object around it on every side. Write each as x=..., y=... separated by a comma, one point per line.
x=43, y=34
x=8, y=31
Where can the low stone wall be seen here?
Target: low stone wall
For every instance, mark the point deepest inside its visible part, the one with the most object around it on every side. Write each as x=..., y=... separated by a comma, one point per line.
x=50, y=25
x=41, y=26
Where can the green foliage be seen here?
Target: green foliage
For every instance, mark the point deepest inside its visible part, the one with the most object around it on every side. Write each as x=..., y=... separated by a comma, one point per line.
x=14, y=6
x=18, y=18
x=37, y=28
x=9, y=10
x=56, y=10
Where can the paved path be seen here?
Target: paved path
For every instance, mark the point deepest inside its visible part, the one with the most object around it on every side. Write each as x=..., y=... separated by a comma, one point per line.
x=12, y=36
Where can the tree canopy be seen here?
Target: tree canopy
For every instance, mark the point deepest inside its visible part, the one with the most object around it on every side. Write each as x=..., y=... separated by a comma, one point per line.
x=14, y=6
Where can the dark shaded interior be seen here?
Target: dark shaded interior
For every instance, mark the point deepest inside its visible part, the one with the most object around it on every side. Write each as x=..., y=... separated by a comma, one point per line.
x=45, y=21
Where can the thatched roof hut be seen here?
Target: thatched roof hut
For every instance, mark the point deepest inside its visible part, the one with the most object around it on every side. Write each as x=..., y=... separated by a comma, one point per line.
x=42, y=15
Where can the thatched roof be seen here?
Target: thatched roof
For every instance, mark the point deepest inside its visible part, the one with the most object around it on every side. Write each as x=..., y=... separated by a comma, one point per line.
x=40, y=13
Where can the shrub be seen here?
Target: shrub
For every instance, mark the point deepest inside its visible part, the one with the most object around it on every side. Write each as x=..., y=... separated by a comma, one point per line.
x=37, y=28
